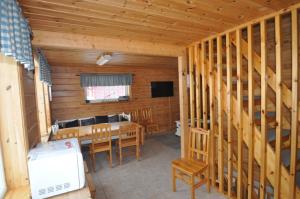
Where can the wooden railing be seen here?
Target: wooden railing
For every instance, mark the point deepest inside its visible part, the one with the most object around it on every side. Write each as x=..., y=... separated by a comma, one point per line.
x=214, y=99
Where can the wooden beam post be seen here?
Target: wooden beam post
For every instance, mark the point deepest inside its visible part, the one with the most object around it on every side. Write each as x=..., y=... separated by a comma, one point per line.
x=295, y=98
x=239, y=111
x=192, y=88
x=212, y=111
x=264, y=87
x=198, y=60
x=229, y=111
x=183, y=102
x=220, y=120
x=278, y=107
x=250, y=110
x=204, y=83
x=13, y=131
x=41, y=103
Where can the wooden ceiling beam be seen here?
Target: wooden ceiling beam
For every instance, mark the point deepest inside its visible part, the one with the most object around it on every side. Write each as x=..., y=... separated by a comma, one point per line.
x=76, y=41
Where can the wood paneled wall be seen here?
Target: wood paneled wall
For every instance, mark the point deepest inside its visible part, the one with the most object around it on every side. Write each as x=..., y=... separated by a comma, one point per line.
x=32, y=123
x=68, y=98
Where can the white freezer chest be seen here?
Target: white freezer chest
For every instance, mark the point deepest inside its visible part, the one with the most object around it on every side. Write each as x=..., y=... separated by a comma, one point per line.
x=55, y=167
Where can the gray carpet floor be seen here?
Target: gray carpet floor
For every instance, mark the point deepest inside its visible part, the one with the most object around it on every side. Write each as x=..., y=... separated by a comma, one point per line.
x=149, y=178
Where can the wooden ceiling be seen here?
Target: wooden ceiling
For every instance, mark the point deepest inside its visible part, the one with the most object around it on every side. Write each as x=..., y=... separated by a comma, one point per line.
x=177, y=22
x=67, y=57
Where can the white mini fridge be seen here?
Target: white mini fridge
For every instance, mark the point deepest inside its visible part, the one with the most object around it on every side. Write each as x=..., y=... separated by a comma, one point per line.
x=55, y=167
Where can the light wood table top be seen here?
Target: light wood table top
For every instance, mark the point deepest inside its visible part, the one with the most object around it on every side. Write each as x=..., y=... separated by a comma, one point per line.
x=85, y=132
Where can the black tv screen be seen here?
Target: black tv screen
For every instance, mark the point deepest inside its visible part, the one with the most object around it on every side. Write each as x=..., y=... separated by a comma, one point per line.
x=162, y=89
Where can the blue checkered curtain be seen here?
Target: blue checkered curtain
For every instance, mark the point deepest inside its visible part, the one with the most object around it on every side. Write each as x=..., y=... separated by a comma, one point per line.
x=15, y=33
x=45, y=69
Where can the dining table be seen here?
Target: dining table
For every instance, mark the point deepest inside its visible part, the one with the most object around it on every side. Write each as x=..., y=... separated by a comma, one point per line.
x=85, y=132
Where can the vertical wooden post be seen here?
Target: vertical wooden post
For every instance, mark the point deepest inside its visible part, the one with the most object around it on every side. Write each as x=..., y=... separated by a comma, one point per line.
x=295, y=98
x=41, y=104
x=278, y=106
x=239, y=111
x=220, y=121
x=229, y=110
x=47, y=106
x=13, y=131
x=192, y=88
x=204, y=93
x=212, y=112
x=198, y=60
x=183, y=102
x=250, y=111
x=263, y=108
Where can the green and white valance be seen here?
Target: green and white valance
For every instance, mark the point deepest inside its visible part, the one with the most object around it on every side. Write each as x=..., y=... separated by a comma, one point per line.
x=87, y=80
x=15, y=33
x=45, y=69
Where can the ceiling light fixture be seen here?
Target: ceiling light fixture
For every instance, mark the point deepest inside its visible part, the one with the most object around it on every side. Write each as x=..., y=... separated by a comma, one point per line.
x=103, y=59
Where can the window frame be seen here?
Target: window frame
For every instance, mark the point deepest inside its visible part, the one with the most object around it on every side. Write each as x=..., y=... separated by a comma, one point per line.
x=106, y=101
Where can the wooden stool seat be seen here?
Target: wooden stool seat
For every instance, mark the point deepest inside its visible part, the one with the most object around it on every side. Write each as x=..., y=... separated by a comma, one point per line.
x=192, y=167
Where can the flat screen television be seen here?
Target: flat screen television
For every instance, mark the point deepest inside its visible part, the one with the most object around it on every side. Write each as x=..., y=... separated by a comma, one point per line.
x=162, y=89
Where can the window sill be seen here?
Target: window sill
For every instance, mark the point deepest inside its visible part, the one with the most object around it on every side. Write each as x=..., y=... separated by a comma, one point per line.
x=108, y=102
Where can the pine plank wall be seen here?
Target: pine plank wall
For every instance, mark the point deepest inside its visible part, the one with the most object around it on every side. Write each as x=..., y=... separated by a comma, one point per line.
x=68, y=98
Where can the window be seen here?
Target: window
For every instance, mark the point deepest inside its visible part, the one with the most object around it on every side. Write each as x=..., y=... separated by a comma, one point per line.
x=2, y=177
x=94, y=94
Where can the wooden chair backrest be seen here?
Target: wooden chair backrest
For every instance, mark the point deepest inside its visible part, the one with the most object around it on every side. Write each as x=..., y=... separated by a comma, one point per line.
x=146, y=115
x=199, y=144
x=67, y=133
x=101, y=133
x=135, y=116
x=129, y=131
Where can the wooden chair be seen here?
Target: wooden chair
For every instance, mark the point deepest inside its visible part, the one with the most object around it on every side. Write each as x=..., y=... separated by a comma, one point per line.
x=146, y=119
x=129, y=137
x=135, y=116
x=101, y=141
x=67, y=133
x=196, y=165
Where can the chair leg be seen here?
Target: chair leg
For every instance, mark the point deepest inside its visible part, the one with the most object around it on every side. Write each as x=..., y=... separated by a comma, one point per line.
x=137, y=152
x=120, y=156
x=193, y=187
x=174, y=179
x=208, y=181
x=94, y=162
x=110, y=158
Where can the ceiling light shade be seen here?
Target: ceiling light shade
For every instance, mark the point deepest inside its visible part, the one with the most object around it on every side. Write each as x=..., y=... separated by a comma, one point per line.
x=103, y=59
